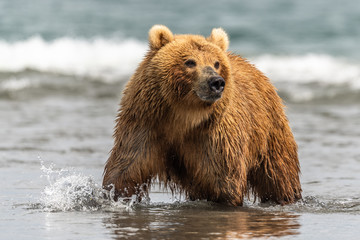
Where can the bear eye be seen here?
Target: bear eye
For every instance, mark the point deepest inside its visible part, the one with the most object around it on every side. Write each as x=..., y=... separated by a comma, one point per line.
x=216, y=65
x=190, y=63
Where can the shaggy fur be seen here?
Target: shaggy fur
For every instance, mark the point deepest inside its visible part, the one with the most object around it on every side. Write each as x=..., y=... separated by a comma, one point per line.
x=216, y=150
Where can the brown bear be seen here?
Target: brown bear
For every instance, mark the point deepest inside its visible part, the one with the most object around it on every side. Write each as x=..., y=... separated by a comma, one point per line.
x=204, y=122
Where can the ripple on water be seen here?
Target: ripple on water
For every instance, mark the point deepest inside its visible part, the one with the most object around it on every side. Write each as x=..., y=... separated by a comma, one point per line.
x=69, y=190
x=315, y=204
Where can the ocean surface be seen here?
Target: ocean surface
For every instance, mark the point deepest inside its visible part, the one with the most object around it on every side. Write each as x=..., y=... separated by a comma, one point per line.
x=63, y=65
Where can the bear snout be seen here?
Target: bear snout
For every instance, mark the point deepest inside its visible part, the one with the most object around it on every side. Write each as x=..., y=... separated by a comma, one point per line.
x=210, y=85
x=216, y=84
x=211, y=88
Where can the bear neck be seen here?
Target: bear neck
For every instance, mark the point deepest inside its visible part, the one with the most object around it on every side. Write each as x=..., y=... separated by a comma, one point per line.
x=181, y=121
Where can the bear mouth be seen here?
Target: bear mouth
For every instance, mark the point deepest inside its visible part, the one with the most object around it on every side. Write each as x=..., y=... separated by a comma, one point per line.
x=209, y=98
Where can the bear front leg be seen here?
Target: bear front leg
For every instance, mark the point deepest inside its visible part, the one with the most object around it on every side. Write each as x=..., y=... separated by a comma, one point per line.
x=276, y=176
x=129, y=168
x=126, y=178
x=125, y=183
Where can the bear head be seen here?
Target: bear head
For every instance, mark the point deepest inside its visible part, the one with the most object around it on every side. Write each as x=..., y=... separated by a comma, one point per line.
x=192, y=70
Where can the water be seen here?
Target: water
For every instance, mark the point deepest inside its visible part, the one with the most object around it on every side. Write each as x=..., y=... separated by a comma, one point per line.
x=63, y=65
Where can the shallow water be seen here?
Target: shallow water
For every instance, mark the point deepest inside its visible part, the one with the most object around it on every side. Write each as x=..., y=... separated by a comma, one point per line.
x=53, y=158
x=63, y=65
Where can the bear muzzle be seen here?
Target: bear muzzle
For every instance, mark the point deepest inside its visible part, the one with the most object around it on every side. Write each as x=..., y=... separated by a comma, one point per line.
x=211, y=88
x=210, y=85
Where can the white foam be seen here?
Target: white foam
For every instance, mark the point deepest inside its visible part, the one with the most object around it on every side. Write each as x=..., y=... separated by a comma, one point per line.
x=111, y=59
x=97, y=58
x=310, y=68
x=15, y=84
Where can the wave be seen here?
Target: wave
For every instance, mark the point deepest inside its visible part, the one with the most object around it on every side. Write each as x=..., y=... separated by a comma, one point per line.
x=36, y=64
x=312, y=77
x=310, y=68
x=15, y=84
x=110, y=58
x=106, y=59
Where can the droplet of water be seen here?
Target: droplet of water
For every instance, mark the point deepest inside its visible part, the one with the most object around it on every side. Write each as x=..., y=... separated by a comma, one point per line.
x=69, y=190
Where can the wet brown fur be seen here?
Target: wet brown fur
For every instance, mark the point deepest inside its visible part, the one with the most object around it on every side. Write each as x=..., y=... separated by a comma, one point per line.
x=216, y=151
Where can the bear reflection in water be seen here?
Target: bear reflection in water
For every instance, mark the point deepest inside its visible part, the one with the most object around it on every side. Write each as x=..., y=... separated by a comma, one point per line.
x=203, y=121
x=197, y=222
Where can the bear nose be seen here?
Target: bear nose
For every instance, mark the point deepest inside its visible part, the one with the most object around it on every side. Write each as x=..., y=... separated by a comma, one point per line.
x=216, y=84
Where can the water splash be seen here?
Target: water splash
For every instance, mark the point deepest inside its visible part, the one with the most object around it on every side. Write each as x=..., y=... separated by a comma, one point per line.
x=69, y=190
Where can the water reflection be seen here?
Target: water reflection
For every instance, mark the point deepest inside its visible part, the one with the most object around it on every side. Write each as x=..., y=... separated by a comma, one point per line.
x=196, y=222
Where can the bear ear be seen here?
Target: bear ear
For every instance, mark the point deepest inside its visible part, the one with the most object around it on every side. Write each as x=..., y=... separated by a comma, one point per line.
x=159, y=36
x=220, y=38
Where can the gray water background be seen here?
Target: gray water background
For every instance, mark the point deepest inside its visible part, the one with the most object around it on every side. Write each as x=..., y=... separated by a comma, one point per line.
x=57, y=116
